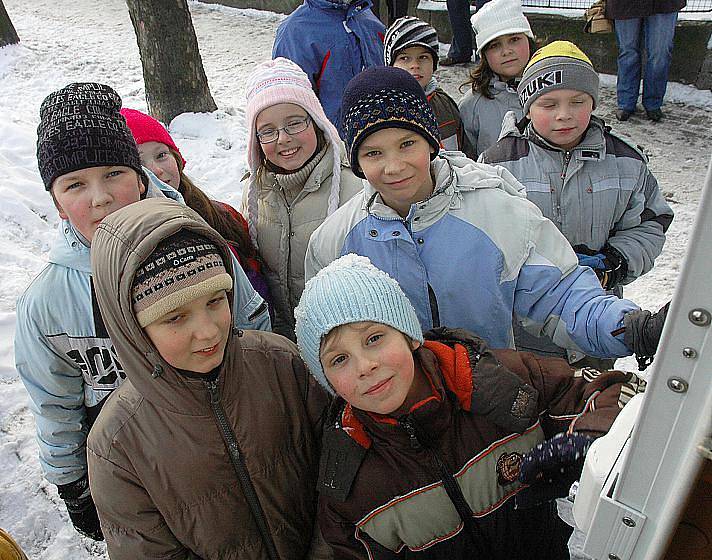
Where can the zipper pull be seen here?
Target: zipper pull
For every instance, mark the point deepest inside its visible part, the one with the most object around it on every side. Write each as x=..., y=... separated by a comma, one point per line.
x=407, y=425
x=213, y=391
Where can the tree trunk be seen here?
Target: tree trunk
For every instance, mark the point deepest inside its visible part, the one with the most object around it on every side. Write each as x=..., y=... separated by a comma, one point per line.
x=8, y=35
x=172, y=68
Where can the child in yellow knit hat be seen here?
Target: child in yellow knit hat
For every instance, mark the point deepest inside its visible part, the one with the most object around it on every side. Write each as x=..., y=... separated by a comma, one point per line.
x=595, y=186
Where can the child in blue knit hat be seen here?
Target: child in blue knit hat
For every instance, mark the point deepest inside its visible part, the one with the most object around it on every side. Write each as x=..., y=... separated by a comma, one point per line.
x=431, y=438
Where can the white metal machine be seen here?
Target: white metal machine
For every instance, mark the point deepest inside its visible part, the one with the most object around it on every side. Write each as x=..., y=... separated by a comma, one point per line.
x=638, y=478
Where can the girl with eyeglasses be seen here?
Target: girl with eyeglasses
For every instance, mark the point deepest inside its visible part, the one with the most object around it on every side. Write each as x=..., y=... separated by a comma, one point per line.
x=298, y=176
x=160, y=154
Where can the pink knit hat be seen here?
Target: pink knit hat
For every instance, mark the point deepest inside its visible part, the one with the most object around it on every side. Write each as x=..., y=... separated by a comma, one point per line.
x=147, y=129
x=282, y=81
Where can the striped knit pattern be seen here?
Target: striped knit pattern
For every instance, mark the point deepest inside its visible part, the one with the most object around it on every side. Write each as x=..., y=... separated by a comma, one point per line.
x=408, y=32
x=182, y=268
x=349, y=290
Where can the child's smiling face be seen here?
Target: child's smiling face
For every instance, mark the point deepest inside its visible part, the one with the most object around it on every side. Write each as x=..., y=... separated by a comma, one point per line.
x=418, y=62
x=508, y=55
x=289, y=151
x=396, y=162
x=193, y=336
x=370, y=365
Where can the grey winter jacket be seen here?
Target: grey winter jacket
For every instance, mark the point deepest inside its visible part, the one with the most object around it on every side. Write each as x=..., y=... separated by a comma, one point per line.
x=482, y=117
x=599, y=192
x=283, y=232
x=64, y=355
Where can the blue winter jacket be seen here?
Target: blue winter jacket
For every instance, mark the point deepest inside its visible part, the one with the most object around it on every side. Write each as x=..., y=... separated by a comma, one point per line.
x=332, y=42
x=475, y=254
x=64, y=355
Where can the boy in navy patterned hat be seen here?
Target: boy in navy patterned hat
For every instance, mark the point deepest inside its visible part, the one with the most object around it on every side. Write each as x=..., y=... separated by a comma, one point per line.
x=460, y=237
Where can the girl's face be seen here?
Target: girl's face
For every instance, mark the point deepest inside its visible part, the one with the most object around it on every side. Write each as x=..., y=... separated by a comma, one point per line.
x=288, y=151
x=507, y=55
x=371, y=366
x=193, y=337
x=157, y=157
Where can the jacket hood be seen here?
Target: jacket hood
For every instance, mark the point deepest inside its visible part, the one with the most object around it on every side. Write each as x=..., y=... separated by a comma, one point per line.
x=339, y=4
x=122, y=242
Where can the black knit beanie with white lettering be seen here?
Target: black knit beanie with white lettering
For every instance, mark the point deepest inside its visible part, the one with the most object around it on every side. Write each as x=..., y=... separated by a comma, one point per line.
x=81, y=127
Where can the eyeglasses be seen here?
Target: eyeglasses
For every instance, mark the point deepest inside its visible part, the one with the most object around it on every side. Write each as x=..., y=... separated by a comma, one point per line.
x=295, y=126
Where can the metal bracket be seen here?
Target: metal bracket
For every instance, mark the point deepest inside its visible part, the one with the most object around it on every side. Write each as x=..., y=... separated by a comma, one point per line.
x=623, y=527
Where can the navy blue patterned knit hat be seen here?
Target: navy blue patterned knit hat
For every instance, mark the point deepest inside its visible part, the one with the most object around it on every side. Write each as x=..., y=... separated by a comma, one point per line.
x=385, y=97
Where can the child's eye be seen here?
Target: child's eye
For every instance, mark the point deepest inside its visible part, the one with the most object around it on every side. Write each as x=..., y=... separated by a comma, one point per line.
x=114, y=173
x=338, y=360
x=374, y=338
x=216, y=300
x=162, y=155
x=515, y=39
x=372, y=153
x=173, y=319
x=73, y=186
x=407, y=143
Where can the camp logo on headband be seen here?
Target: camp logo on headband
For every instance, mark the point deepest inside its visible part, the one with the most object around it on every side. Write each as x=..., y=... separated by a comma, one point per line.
x=547, y=80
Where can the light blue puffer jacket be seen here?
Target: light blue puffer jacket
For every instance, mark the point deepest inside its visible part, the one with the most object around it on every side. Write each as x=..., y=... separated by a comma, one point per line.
x=473, y=255
x=64, y=355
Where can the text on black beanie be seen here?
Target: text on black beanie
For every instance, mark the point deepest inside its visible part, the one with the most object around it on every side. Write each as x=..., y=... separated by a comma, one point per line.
x=80, y=127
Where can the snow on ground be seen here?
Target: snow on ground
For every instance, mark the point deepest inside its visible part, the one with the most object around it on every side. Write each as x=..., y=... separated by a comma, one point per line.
x=65, y=41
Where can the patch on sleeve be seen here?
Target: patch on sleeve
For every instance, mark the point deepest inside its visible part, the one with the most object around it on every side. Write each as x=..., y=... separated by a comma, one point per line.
x=508, y=467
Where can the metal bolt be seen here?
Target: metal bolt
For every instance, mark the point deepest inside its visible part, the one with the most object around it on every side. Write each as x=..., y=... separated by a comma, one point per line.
x=677, y=385
x=689, y=353
x=700, y=317
x=628, y=522
x=612, y=556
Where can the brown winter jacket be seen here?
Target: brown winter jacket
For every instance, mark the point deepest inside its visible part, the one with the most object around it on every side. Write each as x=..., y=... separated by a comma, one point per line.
x=625, y=9
x=160, y=473
x=380, y=479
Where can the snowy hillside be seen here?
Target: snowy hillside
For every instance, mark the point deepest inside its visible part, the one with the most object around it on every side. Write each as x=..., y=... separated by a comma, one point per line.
x=65, y=41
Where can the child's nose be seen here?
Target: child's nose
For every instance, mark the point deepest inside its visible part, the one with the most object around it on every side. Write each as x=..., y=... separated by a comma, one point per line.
x=101, y=196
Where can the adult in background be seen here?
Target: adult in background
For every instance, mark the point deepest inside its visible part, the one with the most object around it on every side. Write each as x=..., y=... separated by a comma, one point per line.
x=332, y=41
x=396, y=9
x=458, y=12
x=645, y=25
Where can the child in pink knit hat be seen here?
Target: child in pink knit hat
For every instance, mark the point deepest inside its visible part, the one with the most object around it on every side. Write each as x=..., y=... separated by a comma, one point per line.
x=298, y=176
x=159, y=153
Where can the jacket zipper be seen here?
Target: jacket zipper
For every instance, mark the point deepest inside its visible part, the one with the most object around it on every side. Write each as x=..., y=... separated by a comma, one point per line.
x=557, y=201
x=238, y=464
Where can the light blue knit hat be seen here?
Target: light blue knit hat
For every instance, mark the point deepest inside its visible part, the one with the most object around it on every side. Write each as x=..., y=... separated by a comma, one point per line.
x=349, y=290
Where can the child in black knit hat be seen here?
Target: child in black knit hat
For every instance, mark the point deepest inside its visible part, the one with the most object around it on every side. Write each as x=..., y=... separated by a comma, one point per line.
x=89, y=163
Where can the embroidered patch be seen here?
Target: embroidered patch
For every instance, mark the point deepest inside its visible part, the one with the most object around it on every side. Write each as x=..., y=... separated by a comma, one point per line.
x=520, y=404
x=588, y=373
x=508, y=467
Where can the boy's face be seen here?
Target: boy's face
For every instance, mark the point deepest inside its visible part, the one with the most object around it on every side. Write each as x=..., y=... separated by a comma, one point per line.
x=562, y=116
x=370, y=365
x=157, y=157
x=87, y=196
x=193, y=337
x=507, y=55
x=396, y=162
x=418, y=62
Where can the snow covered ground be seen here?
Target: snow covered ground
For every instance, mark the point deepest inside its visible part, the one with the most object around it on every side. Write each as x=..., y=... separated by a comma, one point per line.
x=65, y=41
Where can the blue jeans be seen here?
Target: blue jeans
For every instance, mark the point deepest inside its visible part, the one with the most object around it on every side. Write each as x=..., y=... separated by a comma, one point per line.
x=653, y=34
x=458, y=12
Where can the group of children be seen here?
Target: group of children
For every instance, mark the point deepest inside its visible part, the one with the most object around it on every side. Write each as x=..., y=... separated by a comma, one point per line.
x=403, y=410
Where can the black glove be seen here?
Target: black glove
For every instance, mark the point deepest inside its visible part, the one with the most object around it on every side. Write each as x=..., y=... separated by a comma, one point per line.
x=552, y=467
x=642, y=331
x=609, y=264
x=81, y=508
